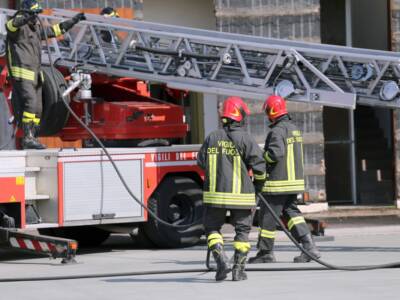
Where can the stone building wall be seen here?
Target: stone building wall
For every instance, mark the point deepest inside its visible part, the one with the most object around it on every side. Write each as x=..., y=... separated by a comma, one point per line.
x=283, y=19
x=395, y=46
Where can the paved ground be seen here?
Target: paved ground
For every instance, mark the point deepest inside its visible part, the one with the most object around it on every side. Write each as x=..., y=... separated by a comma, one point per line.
x=362, y=245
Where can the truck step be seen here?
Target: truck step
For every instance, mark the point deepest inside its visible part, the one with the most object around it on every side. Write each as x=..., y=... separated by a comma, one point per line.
x=36, y=197
x=32, y=169
x=41, y=225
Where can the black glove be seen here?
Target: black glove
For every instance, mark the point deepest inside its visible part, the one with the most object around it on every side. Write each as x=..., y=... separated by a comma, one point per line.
x=30, y=15
x=79, y=17
x=68, y=24
x=22, y=17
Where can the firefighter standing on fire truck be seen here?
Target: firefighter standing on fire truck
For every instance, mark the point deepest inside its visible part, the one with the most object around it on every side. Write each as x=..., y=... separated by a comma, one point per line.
x=226, y=156
x=24, y=49
x=283, y=153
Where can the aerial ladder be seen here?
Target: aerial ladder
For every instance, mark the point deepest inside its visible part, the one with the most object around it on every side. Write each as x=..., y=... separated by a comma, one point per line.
x=225, y=63
x=218, y=63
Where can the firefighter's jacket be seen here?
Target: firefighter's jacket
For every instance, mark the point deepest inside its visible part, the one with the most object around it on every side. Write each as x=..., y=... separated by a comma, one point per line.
x=226, y=163
x=24, y=46
x=283, y=153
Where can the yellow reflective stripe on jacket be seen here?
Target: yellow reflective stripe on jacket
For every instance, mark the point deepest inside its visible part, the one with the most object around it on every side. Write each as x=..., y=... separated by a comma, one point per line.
x=294, y=188
x=290, y=163
x=267, y=234
x=23, y=73
x=243, y=247
x=27, y=120
x=237, y=174
x=280, y=183
x=302, y=154
x=229, y=199
x=212, y=166
x=9, y=56
x=35, y=121
x=214, y=238
x=295, y=221
x=222, y=195
x=267, y=158
x=260, y=176
x=57, y=30
x=281, y=186
x=11, y=27
x=28, y=115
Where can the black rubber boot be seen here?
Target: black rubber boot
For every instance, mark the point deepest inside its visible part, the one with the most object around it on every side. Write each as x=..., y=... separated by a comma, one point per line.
x=29, y=140
x=263, y=257
x=223, y=267
x=238, y=272
x=309, y=245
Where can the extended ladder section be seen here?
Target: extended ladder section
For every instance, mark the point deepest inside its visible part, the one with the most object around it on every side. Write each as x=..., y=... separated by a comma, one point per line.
x=227, y=64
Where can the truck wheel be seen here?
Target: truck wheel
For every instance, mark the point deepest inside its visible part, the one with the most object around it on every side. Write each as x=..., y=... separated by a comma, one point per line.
x=177, y=200
x=141, y=240
x=86, y=236
x=55, y=114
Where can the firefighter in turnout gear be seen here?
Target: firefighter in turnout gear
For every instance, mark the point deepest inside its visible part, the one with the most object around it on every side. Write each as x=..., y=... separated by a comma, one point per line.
x=283, y=153
x=107, y=35
x=24, y=49
x=109, y=12
x=226, y=156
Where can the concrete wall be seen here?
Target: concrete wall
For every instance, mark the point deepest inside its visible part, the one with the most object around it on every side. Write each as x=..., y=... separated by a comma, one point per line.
x=4, y=3
x=395, y=46
x=192, y=13
x=285, y=19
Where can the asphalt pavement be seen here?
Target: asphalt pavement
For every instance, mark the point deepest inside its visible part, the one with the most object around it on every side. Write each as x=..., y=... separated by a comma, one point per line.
x=352, y=245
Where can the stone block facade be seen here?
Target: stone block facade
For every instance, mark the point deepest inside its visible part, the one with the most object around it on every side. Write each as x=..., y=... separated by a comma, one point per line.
x=395, y=46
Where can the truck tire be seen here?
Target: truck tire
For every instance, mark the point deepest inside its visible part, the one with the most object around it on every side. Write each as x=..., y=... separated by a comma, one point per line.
x=55, y=114
x=177, y=200
x=141, y=240
x=86, y=236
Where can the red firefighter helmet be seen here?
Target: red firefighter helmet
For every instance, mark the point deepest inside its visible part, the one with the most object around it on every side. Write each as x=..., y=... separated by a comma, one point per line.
x=275, y=107
x=235, y=109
